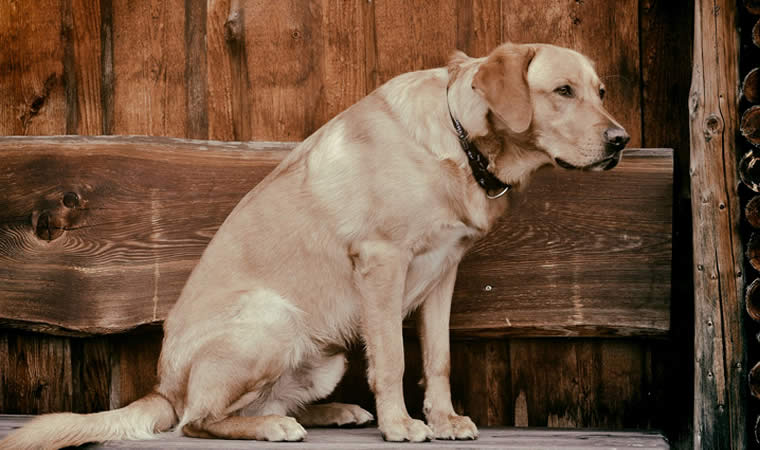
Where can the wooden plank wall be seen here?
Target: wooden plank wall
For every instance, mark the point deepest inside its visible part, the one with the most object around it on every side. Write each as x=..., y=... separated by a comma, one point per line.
x=242, y=70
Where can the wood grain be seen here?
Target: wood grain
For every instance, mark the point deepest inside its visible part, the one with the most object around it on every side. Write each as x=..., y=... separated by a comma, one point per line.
x=83, y=67
x=142, y=210
x=369, y=438
x=32, y=94
x=196, y=70
x=592, y=375
x=582, y=26
x=437, y=28
x=90, y=374
x=36, y=373
x=149, y=54
x=720, y=359
x=134, y=365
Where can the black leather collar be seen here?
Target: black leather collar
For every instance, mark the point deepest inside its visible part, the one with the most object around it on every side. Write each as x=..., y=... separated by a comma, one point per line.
x=478, y=162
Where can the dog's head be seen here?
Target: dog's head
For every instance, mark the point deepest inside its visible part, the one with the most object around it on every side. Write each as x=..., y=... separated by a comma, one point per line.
x=550, y=98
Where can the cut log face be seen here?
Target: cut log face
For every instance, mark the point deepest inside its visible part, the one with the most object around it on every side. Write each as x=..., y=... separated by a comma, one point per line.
x=750, y=126
x=753, y=250
x=751, y=86
x=98, y=235
x=749, y=171
x=754, y=381
x=752, y=300
x=756, y=34
x=752, y=211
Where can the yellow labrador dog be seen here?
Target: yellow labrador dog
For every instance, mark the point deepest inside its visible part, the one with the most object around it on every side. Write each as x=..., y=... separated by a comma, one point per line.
x=363, y=222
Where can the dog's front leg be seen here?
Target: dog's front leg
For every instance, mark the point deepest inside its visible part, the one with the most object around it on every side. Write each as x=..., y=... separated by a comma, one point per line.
x=380, y=274
x=433, y=325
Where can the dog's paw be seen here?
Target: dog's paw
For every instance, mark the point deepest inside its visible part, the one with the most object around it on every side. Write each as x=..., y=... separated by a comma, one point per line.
x=406, y=429
x=352, y=415
x=334, y=414
x=278, y=428
x=453, y=426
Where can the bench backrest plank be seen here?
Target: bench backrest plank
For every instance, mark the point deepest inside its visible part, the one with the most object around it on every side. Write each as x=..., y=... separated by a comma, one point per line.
x=97, y=235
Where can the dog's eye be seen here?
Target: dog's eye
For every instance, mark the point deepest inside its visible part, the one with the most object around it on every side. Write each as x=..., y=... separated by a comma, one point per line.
x=601, y=93
x=565, y=91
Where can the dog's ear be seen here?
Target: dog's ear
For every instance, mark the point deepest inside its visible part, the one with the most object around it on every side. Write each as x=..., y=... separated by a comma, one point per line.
x=501, y=80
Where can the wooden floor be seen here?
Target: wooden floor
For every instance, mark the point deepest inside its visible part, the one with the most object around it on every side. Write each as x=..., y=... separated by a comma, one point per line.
x=369, y=438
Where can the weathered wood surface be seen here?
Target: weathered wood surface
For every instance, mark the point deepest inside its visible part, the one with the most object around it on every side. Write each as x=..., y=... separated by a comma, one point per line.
x=720, y=360
x=369, y=438
x=99, y=235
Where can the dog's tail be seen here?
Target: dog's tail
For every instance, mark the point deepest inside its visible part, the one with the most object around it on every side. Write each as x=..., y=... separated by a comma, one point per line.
x=138, y=420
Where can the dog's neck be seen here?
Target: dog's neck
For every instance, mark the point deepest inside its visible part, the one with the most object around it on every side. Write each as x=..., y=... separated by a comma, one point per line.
x=512, y=160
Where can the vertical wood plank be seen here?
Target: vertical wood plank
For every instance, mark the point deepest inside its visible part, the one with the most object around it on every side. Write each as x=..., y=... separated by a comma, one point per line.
x=431, y=26
x=224, y=51
x=480, y=381
x=720, y=360
x=478, y=26
x=83, y=68
x=196, y=70
x=666, y=41
x=4, y=361
x=32, y=93
x=436, y=28
x=134, y=366
x=149, y=68
x=91, y=374
x=344, y=77
x=106, y=66
x=578, y=383
x=36, y=373
x=285, y=62
x=606, y=32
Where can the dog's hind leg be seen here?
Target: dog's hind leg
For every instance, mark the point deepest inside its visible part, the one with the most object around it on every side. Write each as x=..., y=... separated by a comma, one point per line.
x=312, y=380
x=218, y=388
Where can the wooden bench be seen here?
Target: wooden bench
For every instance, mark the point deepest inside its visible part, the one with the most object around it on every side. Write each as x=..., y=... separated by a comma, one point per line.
x=98, y=234
x=369, y=438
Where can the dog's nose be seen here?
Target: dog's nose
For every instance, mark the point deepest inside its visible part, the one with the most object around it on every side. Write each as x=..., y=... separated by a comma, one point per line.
x=615, y=138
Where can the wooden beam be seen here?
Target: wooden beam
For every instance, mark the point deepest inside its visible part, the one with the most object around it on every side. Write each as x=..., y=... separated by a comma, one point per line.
x=97, y=235
x=720, y=365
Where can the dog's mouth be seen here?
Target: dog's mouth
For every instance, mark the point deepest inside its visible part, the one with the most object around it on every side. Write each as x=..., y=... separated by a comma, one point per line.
x=604, y=164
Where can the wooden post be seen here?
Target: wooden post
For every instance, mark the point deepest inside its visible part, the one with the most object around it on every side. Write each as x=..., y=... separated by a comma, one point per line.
x=720, y=387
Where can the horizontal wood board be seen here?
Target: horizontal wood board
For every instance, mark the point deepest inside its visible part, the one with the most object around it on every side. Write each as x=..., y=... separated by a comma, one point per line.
x=97, y=235
x=369, y=438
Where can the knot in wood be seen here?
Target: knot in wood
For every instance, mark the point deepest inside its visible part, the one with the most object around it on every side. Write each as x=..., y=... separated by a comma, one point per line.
x=71, y=200
x=48, y=227
x=714, y=123
x=233, y=27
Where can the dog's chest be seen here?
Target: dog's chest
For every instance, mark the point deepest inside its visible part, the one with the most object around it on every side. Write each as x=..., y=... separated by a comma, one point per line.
x=442, y=250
